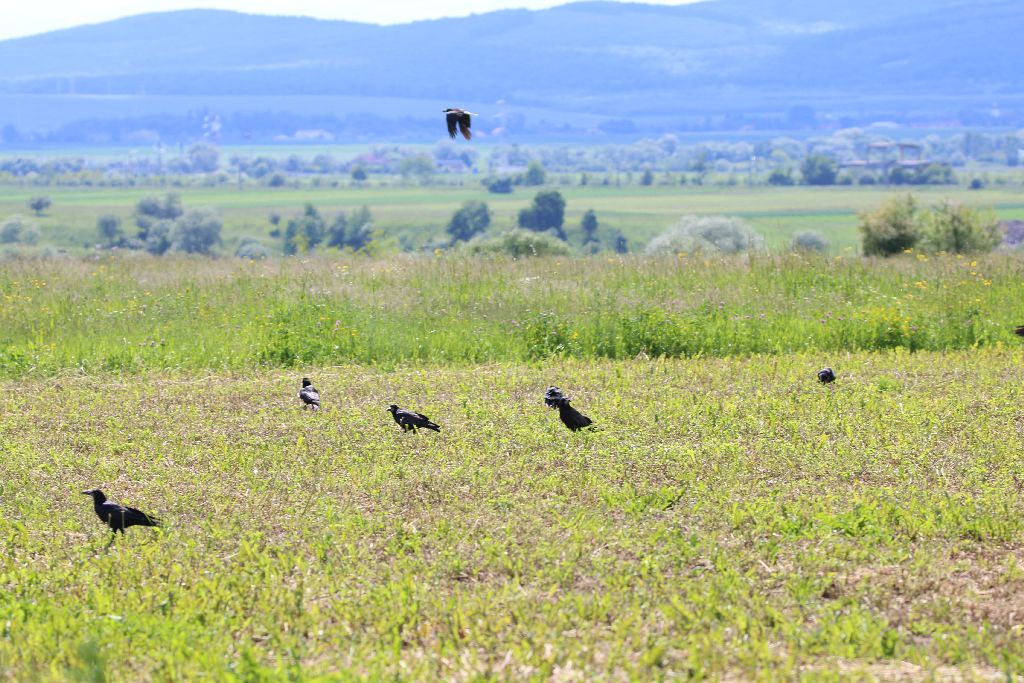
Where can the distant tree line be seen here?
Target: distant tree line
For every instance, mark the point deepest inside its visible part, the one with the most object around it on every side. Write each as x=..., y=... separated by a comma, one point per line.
x=661, y=161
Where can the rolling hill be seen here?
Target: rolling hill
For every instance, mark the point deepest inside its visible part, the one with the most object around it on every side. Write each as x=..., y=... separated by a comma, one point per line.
x=574, y=68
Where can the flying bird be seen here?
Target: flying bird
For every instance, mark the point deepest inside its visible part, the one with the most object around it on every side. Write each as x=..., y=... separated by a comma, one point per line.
x=118, y=517
x=458, y=118
x=571, y=418
x=551, y=396
x=1019, y=331
x=309, y=395
x=826, y=376
x=407, y=419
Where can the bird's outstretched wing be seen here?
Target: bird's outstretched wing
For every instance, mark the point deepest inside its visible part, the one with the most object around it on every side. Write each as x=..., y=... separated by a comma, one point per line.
x=464, y=121
x=452, y=119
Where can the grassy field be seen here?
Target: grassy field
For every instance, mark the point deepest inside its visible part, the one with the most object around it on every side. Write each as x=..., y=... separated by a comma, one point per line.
x=143, y=314
x=417, y=215
x=730, y=518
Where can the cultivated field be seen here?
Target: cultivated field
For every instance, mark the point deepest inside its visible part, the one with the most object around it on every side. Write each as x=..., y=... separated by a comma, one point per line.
x=417, y=216
x=731, y=517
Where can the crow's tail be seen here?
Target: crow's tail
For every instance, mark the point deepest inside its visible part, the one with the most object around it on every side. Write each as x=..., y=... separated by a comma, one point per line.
x=431, y=425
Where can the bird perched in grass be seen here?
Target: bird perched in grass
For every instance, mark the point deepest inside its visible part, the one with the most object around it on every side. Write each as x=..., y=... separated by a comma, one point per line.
x=407, y=419
x=826, y=376
x=460, y=119
x=309, y=395
x=118, y=517
x=551, y=396
x=1019, y=331
x=571, y=418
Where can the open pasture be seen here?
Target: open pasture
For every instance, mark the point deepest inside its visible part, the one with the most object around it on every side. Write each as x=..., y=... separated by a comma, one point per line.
x=731, y=517
x=418, y=214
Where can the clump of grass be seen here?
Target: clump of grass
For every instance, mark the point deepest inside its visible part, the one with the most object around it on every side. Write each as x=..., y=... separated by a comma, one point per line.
x=138, y=314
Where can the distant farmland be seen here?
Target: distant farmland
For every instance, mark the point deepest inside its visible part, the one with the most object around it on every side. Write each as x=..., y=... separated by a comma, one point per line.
x=417, y=215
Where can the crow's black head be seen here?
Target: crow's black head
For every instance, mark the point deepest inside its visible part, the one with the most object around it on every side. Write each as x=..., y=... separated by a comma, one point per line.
x=96, y=494
x=306, y=382
x=392, y=408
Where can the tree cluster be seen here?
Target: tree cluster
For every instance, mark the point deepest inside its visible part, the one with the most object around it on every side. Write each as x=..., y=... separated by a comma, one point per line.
x=308, y=230
x=899, y=225
x=162, y=225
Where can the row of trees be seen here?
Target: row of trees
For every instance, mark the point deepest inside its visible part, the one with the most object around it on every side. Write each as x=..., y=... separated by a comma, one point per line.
x=546, y=215
x=308, y=230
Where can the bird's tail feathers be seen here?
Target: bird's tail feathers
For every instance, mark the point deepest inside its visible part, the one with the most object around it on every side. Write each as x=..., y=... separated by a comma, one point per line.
x=152, y=521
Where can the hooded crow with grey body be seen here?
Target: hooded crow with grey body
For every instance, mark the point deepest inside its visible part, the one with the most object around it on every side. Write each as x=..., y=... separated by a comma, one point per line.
x=409, y=420
x=572, y=418
x=118, y=517
x=309, y=395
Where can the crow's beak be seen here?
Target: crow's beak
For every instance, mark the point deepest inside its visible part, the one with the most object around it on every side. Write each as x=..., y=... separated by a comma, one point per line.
x=86, y=493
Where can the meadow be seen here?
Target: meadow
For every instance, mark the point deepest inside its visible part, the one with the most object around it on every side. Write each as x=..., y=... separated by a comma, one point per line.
x=412, y=216
x=142, y=313
x=730, y=518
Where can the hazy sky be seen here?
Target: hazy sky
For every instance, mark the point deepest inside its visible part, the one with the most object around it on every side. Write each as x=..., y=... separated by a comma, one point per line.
x=27, y=17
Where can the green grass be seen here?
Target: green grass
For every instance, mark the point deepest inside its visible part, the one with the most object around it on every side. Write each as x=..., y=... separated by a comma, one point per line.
x=419, y=214
x=142, y=314
x=731, y=518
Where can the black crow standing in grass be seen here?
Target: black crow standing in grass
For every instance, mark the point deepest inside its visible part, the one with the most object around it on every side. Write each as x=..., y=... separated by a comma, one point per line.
x=309, y=395
x=118, y=517
x=571, y=418
x=407, y=419
x=458, y=118
x=1019, y=331
x=826, y=376
x=551, y=396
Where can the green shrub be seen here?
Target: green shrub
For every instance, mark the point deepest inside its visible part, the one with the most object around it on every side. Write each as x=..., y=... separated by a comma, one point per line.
x=809, y=240
x=891, y=228
x=707, y=234
x=781, y=177
x=959, y=229
x=16, y=229
x=251, y=248
x=518, y=244
x=469, y=221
